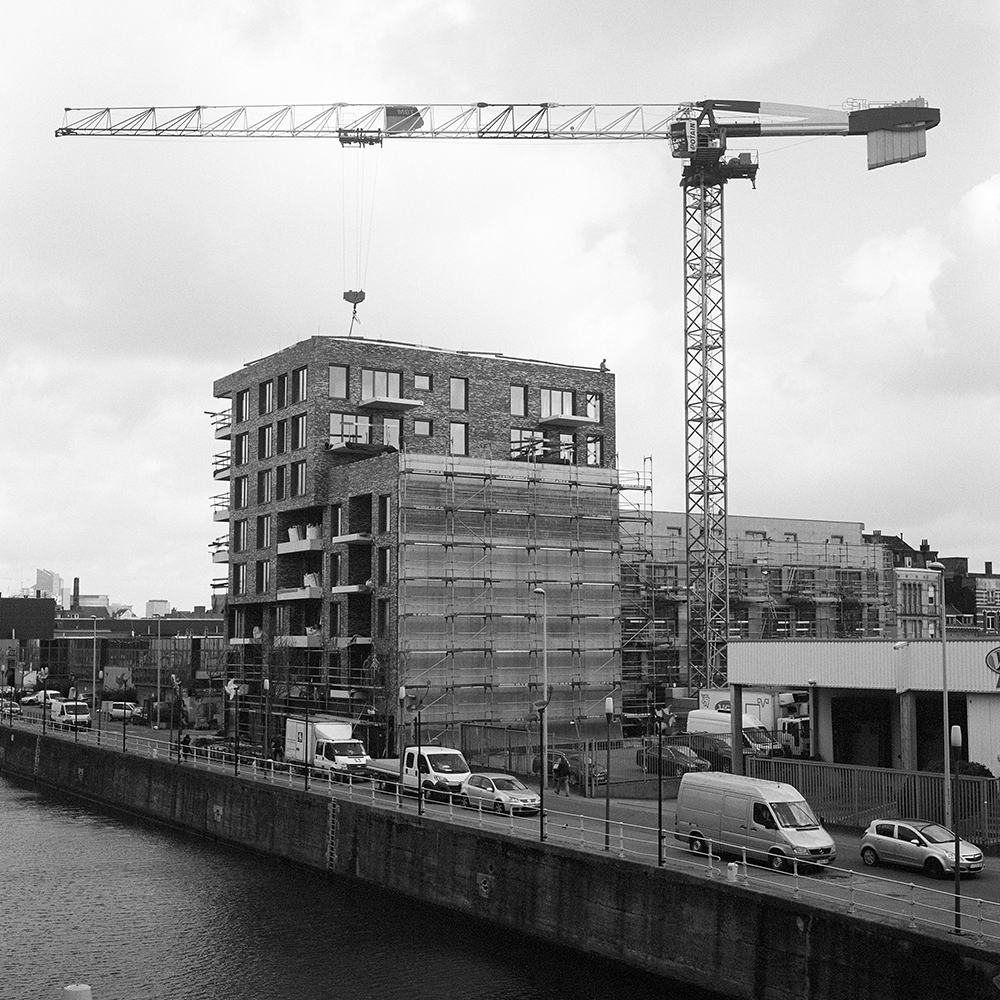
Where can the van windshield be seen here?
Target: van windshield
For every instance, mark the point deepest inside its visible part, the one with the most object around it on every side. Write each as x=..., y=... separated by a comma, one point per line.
x=448, y=763
x=796, y=814
x=344, y=748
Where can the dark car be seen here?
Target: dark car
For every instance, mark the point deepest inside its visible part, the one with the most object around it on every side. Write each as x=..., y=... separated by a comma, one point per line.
x=716, y=751
x=675, y=759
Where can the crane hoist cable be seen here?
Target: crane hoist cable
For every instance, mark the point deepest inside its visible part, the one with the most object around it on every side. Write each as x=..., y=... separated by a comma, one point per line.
x=362, y=210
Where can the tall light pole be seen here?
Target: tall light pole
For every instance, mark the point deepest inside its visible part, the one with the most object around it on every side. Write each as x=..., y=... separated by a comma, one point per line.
x=545, y=682
x=946, y=728
x=159, y=670
x=609, y=711
x=93, y=683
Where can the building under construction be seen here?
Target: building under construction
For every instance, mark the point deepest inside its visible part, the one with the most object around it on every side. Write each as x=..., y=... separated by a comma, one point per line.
x=403, y=517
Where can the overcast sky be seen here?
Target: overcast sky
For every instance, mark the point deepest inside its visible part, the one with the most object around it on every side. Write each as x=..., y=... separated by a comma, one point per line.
x=862, y=308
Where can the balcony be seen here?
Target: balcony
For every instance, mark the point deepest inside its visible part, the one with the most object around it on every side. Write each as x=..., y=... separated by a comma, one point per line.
x=313, y=639
x=343, y=641
x=393, y=404
x=353, y=588
x=222, y=422
x=221, y=466
x=355, y=538
x=220, y=507
x=569, y=420
x=302, y=539
x=310, y=590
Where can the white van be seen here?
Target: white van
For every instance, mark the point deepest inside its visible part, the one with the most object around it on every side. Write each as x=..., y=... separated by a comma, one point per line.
x=770, y=820
x=70, y=713
x=756, y=739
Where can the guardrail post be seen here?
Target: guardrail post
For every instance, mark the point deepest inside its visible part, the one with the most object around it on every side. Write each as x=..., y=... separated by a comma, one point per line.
x=851, y=908
x=711, y=858
x=795, y=875
x=480, y=807
x=746, y=871
x=511, y=819
x=583, y=832
x=979, y=918
x=621, y=840
x=913, y=907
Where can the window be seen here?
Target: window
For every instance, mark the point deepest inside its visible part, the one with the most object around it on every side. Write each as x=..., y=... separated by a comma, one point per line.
x=265, y=486
x=266, y=397
x=564, y=448
x=265, y=441
x=525, y=444
x=378, y=384
x=300, y=384
x=239, y=536
x=350, y=427
x=264, y=531
x=595, y=406
x=241, y=448
x=459, y=439
x=556, y=402
x=382, y=621
x=334, y=620
x=239, y=578
x=298, y=485
x=281, y=445
x=423, y=428
x=280, y=482
x=298, y=431
x=263, y=581
x=384, y=512
x=460, y=396
x=242, y=408
x=391, y=429
x=240, y=492
x=334, y=569
x=338, y=381
x=518, y=401
x=595, y=450
x=423, y=382
x=383, y=565
x=336, y=513
x=281, y=391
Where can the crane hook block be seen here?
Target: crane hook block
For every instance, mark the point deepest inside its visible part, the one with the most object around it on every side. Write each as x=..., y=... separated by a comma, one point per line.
x=354, y=297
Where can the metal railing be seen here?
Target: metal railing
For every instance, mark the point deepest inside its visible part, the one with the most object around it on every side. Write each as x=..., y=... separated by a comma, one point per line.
x=907, y=904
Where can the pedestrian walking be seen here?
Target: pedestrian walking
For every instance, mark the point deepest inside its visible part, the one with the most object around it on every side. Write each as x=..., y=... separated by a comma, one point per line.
x=562, y=776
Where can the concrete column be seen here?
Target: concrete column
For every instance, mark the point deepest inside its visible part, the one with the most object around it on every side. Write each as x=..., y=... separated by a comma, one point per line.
x=908, y=731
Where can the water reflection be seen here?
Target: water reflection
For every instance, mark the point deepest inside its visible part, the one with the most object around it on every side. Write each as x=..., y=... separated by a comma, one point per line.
x=140, y=912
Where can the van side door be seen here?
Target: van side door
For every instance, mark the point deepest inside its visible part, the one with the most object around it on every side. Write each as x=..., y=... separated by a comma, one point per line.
x=763, y=829
x=735, y=811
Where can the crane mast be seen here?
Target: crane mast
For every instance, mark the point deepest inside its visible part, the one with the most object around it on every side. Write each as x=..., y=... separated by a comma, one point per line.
x=698, y=134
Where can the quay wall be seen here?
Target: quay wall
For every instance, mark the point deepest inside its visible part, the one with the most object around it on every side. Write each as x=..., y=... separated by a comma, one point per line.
x=707, y=932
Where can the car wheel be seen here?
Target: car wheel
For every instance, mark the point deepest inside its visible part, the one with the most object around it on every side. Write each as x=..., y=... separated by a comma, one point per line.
x=498, y=806
x=869, y=857
x=934, y=868
x=777, y=861
x=698, y=845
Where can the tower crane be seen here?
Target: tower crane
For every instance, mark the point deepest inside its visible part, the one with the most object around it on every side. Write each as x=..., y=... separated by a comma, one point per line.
x=698, y=133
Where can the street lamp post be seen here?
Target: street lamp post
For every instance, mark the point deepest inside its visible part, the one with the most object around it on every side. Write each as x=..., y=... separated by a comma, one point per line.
x=946, y=728
x=544, y=769
x=609, y=711
x=956, y=742
x=660, y=713
x=93, y=684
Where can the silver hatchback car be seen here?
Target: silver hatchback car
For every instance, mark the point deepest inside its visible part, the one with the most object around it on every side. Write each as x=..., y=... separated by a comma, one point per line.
x=917, y=843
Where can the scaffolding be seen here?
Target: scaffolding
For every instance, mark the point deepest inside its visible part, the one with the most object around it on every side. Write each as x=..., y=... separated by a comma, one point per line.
x=476, y=538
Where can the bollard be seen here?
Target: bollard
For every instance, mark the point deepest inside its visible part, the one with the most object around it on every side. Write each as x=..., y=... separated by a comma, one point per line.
x=731, y=870
x=77, y=991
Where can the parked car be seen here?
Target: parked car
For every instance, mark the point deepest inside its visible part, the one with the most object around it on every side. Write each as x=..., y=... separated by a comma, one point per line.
x=577, y=763
x=9, y=707
x=43, y=697
x=503, y=793
x=118, y=710
x=712, y=749
x=70, y=714
x=917, y=843
x=675, y=760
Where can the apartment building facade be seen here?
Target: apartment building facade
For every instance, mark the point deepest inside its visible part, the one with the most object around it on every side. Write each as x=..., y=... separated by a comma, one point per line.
x=401, y=516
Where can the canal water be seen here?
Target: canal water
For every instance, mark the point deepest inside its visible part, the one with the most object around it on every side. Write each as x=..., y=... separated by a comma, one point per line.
x=143, y=913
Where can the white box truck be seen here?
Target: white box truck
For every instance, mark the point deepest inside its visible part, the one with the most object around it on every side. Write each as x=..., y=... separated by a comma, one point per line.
x=757, y=740
x=326, y=745
x=770, y=820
